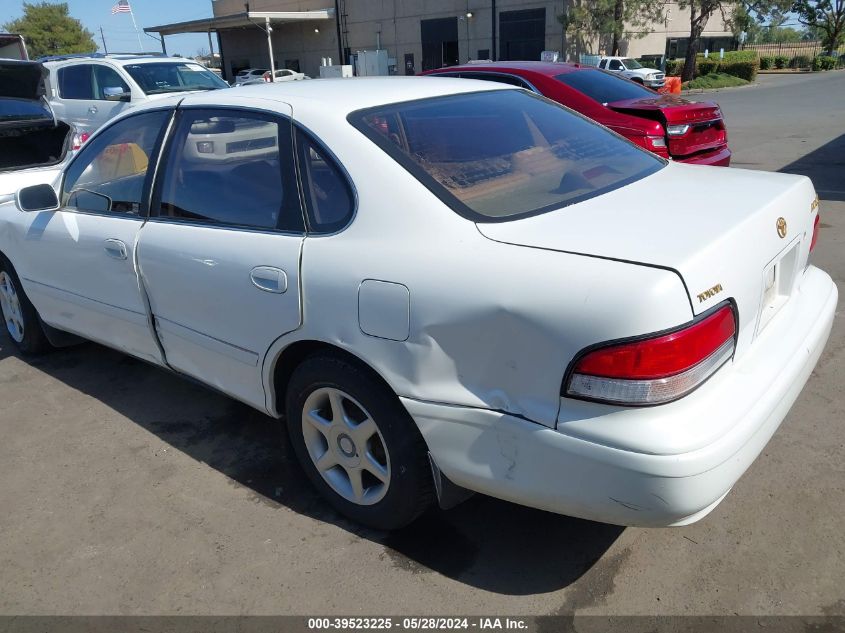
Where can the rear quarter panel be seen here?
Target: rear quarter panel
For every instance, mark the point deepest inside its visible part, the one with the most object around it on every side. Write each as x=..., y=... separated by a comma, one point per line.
x=491, y=325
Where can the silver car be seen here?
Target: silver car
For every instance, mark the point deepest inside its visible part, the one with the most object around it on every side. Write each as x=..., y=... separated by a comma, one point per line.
x=88, y=90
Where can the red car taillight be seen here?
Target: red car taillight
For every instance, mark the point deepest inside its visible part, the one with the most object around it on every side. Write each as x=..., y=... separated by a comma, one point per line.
x=656, y=369
x=79, y=140
x=815, y=232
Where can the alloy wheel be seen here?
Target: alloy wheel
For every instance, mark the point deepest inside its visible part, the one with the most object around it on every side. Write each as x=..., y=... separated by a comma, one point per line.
x=346, y=446
x=11, y=307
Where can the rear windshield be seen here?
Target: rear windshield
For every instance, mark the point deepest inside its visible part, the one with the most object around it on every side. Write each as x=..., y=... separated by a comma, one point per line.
x=158, y=78
x=604, y=87
x=23, y=110
x=497, y=155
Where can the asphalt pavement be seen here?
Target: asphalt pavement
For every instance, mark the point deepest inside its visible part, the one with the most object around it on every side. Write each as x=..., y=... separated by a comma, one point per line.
x=125, y=490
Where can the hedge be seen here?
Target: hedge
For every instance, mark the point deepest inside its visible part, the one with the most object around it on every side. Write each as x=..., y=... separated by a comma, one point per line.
x=742, y=64
x=781, y=61
x=800, y=61
x=767, y=63
x=824, y=62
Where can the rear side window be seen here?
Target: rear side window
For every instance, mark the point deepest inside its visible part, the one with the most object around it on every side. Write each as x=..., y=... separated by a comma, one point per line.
x=231, y=168
x=328, y=197
x=604, y=87
x=75, y=82
x=502, y=79
x=497, y=155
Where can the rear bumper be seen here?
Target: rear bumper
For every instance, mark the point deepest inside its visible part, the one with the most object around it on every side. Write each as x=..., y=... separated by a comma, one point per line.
x=566, y=472
x=717, y=158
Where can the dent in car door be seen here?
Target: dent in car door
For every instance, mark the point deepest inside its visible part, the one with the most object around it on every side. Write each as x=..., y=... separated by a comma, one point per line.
x=220, y=256
x=79, y=262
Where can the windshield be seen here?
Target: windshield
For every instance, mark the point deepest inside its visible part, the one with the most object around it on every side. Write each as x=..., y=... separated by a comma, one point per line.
x=23, y=110
x=162, y=77
x=497, y=155
x=604, y=87
x=631, y=64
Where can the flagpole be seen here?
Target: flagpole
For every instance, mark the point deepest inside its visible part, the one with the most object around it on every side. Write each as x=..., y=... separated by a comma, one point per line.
x=140, y=45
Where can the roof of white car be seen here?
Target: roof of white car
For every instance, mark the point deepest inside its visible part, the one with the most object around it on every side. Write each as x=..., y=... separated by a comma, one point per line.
x=119, y=60
x=341, y=96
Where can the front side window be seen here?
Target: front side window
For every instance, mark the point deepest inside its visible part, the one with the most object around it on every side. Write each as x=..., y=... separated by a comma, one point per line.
x=111, y=173
x=76, y=82
x=615, y=64
x=328, y=197
x=497, y=155
x=604, y=87
x=231, y=168
x=108, y=84
x=162, y=77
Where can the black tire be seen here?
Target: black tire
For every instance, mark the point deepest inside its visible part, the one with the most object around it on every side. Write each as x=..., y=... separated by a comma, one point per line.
x=639, y=81
x=34, y=340
x=410, y=489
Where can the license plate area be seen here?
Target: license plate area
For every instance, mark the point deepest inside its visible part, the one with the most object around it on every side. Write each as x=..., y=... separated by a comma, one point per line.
x=778, y=283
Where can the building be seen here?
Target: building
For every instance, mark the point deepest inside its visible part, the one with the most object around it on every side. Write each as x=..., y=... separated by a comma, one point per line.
x=417, y=34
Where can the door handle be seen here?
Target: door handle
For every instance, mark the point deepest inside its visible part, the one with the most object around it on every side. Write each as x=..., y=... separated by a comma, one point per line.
x=115, y=248
x=269, y=279
x=92, y=110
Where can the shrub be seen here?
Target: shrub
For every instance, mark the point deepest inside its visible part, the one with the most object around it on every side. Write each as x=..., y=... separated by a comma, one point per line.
x=707, y=66
x=767, y=63
x=825, y=62
x=800, y=61
x=647, y=63
x=714, y=80
x=743, y=70
x=674, y=67
x=781, y=61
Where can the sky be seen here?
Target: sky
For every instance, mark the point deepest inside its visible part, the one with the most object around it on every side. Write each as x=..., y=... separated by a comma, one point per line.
x=119, y=33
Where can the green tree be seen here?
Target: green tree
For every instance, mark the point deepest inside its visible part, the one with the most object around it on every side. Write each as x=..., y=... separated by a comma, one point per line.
x=826, y=17
x=700, y=13
x=49, y=30
x=588, y=20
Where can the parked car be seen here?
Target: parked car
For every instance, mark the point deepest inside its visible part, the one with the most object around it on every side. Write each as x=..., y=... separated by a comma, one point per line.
x=33, y=142
x=285, y=74
x=668, y=125
x=442, y=286
x=633, y=70
x=249, y=74
x=88, y=90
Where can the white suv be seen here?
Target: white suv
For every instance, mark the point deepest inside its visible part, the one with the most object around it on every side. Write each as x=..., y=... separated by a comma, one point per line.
x=633, y=70
x=88, y=90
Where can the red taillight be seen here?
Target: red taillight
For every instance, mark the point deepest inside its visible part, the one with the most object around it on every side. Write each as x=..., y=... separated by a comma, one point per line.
x=657, y=369
x=79, y=140
x=815, y=232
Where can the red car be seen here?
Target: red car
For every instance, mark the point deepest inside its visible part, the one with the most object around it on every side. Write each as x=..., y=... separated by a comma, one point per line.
x=668, y=125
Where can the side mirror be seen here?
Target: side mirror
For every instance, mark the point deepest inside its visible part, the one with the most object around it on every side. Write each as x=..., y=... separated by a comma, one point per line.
x=37, y=198
x=116, y=93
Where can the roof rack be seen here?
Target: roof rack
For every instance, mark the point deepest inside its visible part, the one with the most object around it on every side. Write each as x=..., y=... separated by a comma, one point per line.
x=128, y=55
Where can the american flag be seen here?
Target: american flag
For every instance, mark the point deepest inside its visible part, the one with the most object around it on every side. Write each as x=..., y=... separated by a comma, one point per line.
x=122, y=6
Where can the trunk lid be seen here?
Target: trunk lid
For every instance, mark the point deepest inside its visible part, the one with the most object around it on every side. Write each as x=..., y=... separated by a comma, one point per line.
x=21, y=95
x=717, y=228
x=706, y=131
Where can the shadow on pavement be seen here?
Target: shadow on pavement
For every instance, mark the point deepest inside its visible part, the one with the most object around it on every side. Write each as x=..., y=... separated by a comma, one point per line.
x=485, y=543
x=825, y=167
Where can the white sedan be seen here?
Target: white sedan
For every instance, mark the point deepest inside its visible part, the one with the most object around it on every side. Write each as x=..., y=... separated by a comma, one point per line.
x=443, y=286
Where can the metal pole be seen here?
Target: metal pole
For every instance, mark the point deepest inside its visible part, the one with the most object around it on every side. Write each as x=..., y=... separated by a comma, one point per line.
x=210, y=50
x=131, y=13
x=163, y=47
x=105, y=48
x=269, y=30
x=494, y=53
